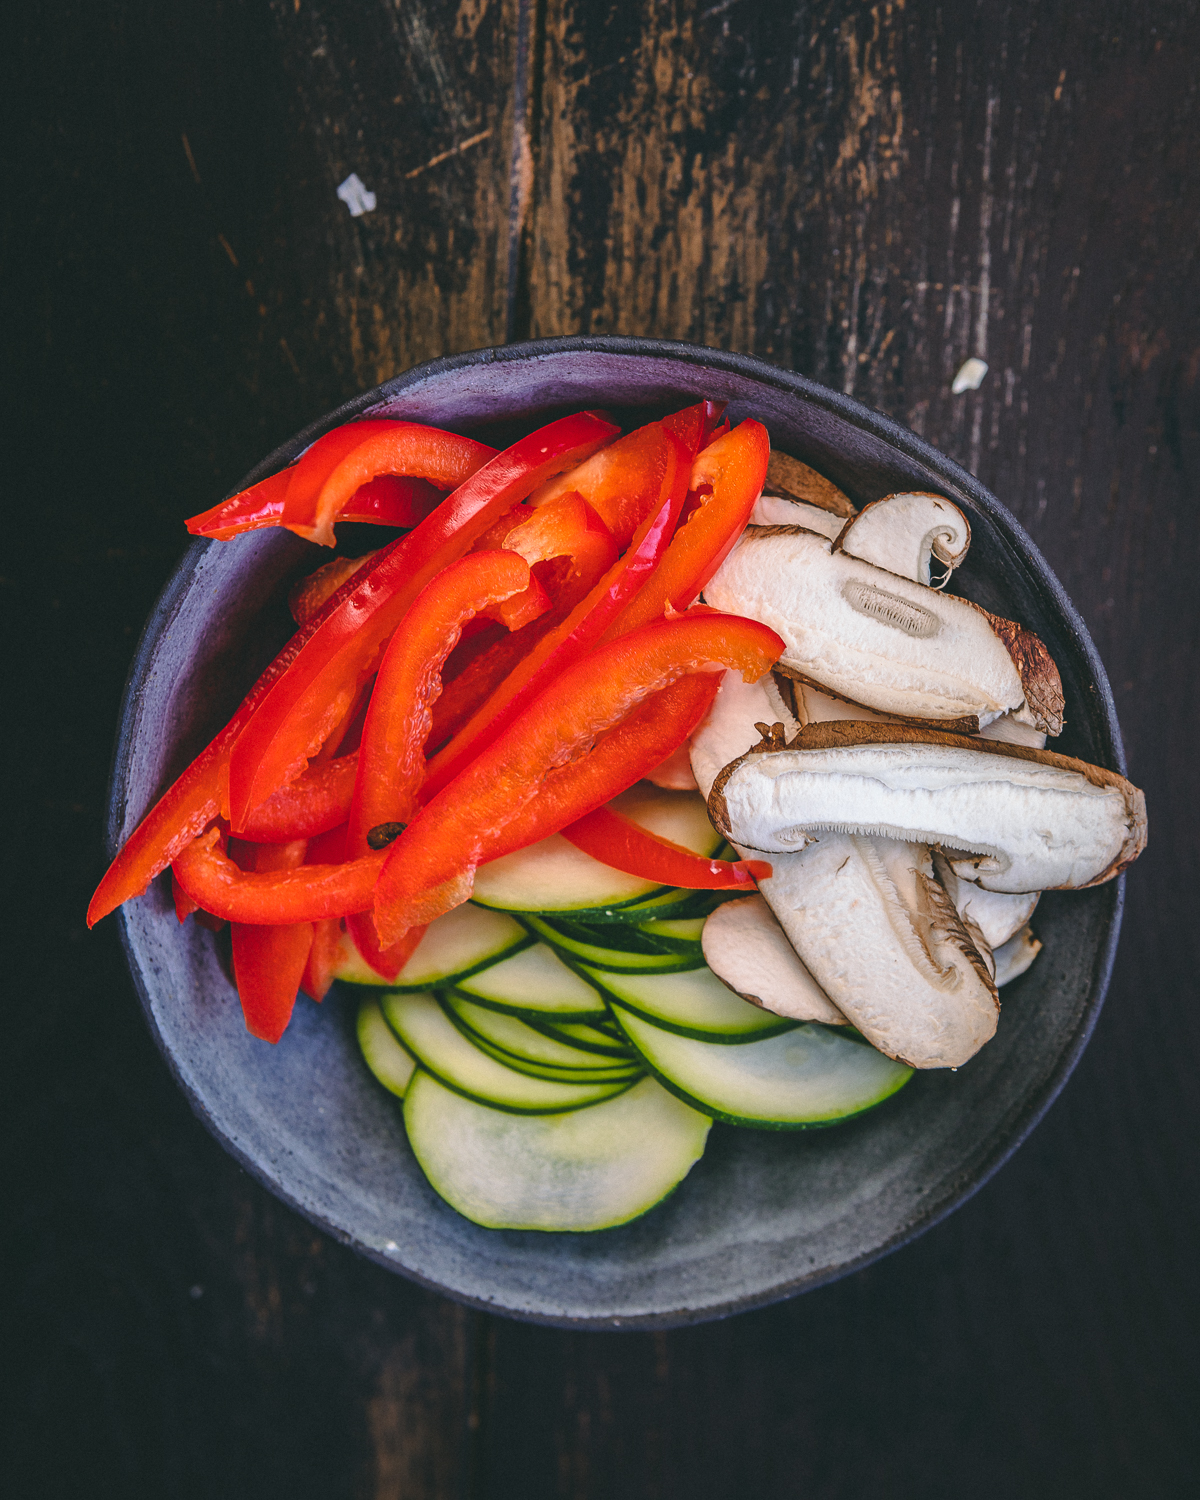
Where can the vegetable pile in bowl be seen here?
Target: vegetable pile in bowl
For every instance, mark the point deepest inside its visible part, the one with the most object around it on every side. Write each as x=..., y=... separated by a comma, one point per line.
x=643, y=781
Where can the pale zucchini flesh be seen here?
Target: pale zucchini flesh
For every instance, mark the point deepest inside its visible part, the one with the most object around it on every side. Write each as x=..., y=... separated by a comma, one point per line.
x=589, y=1170
x=441, y=1049
x=694, y=1004
x=512, y=1035
x=462, y=942
x=613, y=958
x=390, y=1062
x=535, y=982
x=809, y=1076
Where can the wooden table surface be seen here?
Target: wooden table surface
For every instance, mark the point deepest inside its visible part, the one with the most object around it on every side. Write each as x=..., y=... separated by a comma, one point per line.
x=868, y=195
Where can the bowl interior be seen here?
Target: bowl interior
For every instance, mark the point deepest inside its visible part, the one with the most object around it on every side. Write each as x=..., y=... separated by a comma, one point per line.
x=764, y=1214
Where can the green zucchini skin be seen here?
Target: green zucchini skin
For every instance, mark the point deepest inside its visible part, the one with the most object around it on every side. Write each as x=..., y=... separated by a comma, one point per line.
x=598, y=956
x=717, y=1079
x=582, y=1172
x=692, y=1004
x=389, y=1060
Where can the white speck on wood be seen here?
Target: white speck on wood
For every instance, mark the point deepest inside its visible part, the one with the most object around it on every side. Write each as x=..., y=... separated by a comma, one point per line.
x=970, y=376
x=355, y=194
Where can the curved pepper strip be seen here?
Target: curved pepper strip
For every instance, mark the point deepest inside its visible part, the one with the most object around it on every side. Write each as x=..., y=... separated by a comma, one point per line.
x=312, y=804
x=733, y=469
x=324, y=956
x=619, y=759
x=274, y=897
x=431, y=867
x=391, y=761
x=585, y=624
x=295, y=716
x=404, y=448
x=619, y=842
x=197, y=796
x=624, y=481
x=398, y=496
x=269, y=962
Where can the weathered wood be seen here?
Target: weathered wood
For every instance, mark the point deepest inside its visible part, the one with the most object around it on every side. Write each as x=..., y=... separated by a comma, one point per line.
x=868, y=195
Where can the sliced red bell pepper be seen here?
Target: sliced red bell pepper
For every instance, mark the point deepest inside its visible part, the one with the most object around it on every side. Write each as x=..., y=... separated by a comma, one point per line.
x=391, y=762
x=620, y=758
x=289, y=498
x=274, y=897
x=732, y=471
x=308, y=596
x=624, y=481
x=313, y=803
x=431, y=867
x=402, y=448
x=585, y=624
x=199, y=795
x=293, y=719
x=268, y=962
x=619, y=842
x=324, y=956
x=184, y=905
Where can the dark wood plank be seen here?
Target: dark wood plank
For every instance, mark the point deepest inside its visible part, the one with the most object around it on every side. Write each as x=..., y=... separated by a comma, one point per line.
x=184, y=289
x=871, y=197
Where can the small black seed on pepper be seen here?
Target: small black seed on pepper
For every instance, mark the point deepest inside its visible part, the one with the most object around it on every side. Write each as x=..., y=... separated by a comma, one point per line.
x=382, y=834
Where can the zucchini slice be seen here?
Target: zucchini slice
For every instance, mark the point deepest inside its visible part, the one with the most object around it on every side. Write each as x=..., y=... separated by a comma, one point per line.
x=390, y=1062
x=613, y=958
x=525, y=1043
x=592, y=1169
x=535, y=983
x=606, y=1041
x=441, y=1049
x=810, y=1076
x=694, y=1004
x=462, y=942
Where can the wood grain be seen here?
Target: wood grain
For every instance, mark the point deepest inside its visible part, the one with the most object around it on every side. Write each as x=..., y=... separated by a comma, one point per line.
x=868, y=194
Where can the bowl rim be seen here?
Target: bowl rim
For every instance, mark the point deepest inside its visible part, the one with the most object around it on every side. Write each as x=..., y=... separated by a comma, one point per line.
x=859, y=415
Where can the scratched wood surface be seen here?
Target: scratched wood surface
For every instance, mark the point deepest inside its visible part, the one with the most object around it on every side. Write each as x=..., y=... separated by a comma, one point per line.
x=868, y=195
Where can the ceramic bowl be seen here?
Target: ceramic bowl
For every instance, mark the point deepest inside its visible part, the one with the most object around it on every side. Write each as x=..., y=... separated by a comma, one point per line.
x=764, y=1215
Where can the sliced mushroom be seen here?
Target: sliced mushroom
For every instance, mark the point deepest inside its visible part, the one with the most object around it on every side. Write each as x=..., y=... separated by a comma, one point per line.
x=675, y=773
x=881, y=641
x=824, y=708
x=729, y=728
x=996, y=917
x=788, y=476
x=1015, y=956
x=1013, y=732
x=748, y=951
x=904, y=533
x=882, y=939
x=775, y=510
x=1007, y=817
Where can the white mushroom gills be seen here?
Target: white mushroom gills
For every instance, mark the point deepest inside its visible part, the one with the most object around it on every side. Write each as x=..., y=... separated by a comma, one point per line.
x=1017, y=822
x=904, y=534
x=882, y=641
x=880, y=936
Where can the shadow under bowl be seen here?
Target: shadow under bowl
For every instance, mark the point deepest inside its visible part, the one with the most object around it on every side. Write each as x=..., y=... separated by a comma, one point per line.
x=764, y=1215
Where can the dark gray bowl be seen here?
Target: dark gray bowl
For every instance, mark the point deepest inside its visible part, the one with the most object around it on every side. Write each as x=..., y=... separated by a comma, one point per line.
x=764, y=1215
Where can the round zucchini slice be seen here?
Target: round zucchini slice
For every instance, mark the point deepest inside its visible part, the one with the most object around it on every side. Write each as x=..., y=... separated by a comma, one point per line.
x=694, y=1004
x=809, y=1076
x=588, y=1170
x=441, y=1049
x=462, y=942
x=390, y=1062
x=535, y=983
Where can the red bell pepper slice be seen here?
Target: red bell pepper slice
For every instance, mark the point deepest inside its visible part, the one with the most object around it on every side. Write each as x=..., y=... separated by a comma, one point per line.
x=274, y=897
x=324, y=956
x=292, y=720
x=619, y=842
x=310, y=594
x=391, y=762
x=199, y=795
x=390, y=497
x=312, y=804
x=584, y=626
x=431, y=867
x=732, y=470
x=404, y=448
x=624, y=481
x=269, y=962
x=621, y=757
